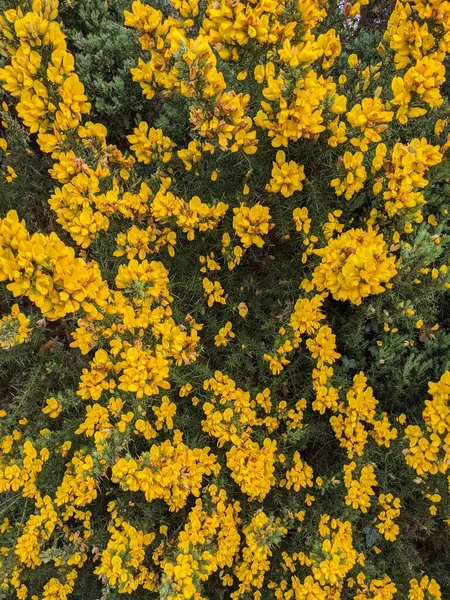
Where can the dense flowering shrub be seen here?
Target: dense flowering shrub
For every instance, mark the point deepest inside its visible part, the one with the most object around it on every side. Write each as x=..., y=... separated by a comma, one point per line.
x=225, y=339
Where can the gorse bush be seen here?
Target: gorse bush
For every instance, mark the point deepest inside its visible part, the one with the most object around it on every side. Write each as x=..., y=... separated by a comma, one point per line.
x=225, y=344
x=105, y=51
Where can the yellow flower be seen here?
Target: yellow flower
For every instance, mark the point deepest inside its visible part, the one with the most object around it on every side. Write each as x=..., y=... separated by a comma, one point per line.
x=353, y=61
x=391, y=510
x=242, y=309
x=355, y=177
x=354, y=265
x=224, y=335
x=250, y=224
x=287, y=177
x=299, y=476
x=359, y=490
x=14, y=328
x=150, y=144
x=213, y=291
x=165, y=413
x=52, y=408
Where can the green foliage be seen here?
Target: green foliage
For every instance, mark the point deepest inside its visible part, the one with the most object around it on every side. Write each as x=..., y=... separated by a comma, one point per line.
x=105, y=51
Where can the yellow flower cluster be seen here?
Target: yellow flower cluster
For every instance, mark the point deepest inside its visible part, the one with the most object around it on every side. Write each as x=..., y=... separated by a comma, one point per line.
x=383, y=588
x=21, y=473
x=250, y=571
x=214, y=291
x=45, y=270
x=299, y=476
x=159, y=473
x=359, y=490
x=252, y=467
x=336, y=556
x=307, y=315
x=225, y=335
x=425, y=588
x=390, y=510
x=14, y=328
x=38, y=528
x=355, y=177
x=370, y=117
x=208, y=542
x=355, y=265
x=141, y=242
x=121, y=560
x=170, y=471
x=52, y=408
x=236, y=26
x=299, y=113
x=287, y=177
x=405, y=171
x=428, y=449
x=149, y=144
x=51, y=102
x=358, y=410
x=250, y=224
x=229, y=413
x=230, y=417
